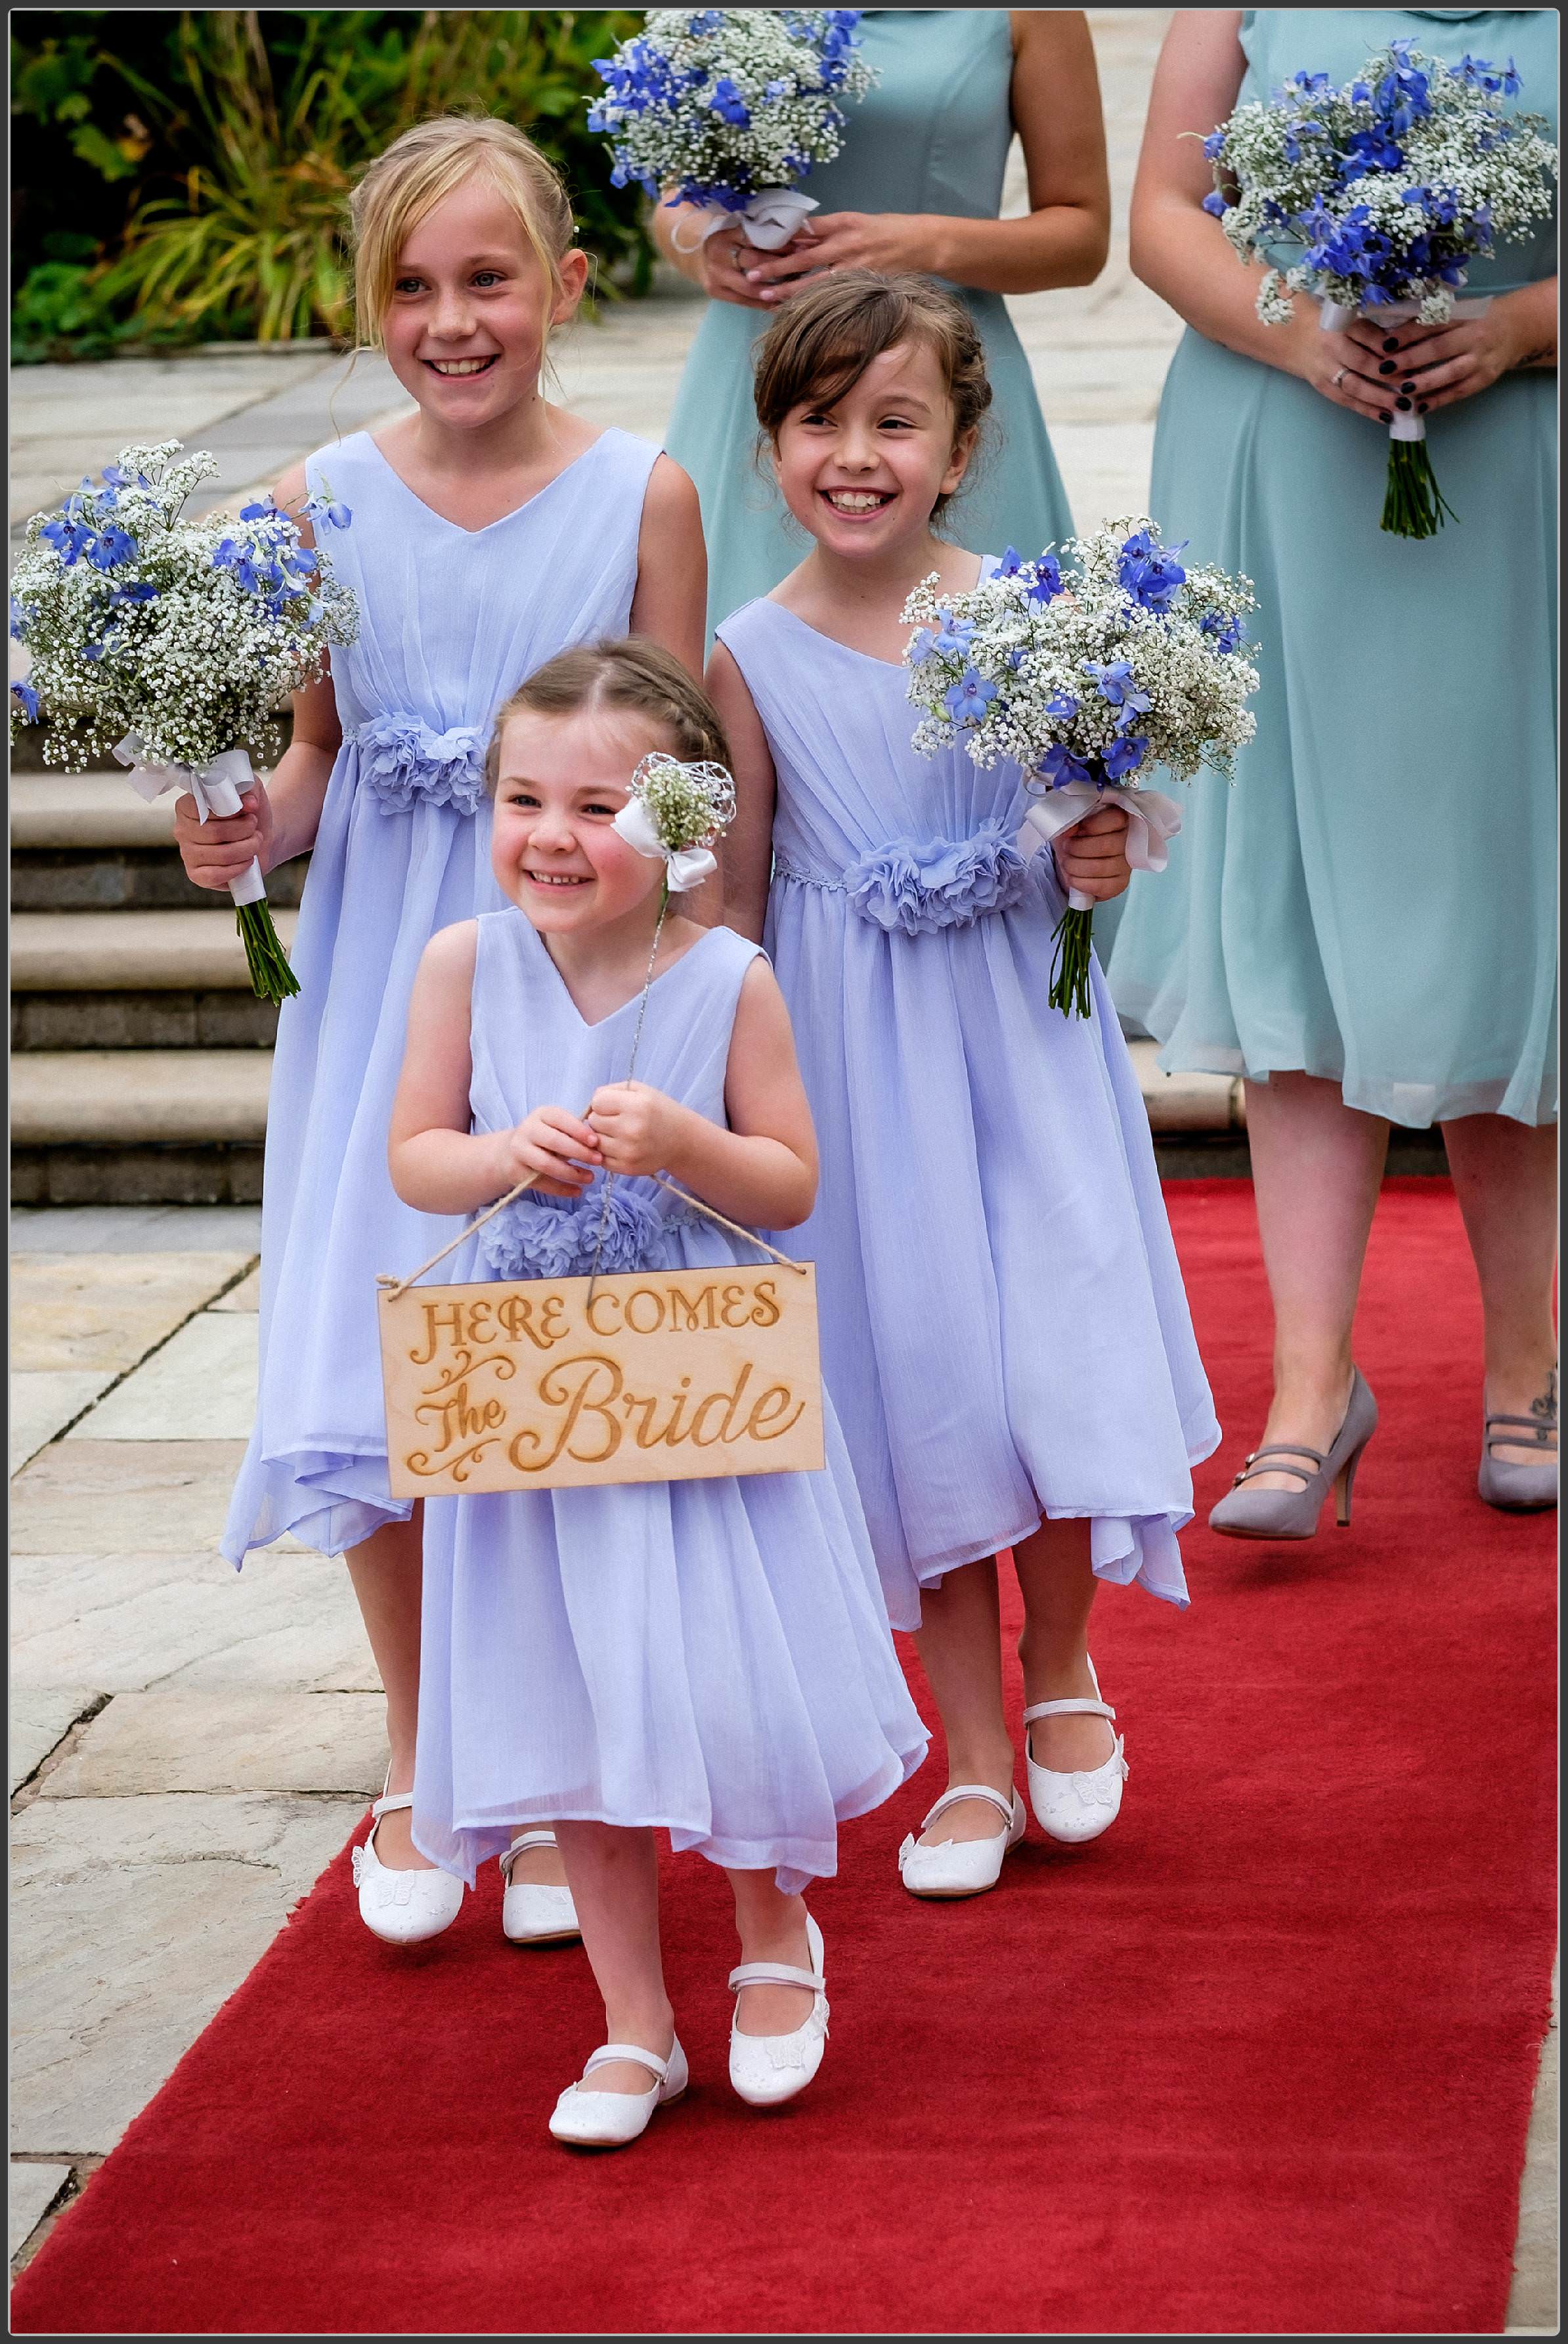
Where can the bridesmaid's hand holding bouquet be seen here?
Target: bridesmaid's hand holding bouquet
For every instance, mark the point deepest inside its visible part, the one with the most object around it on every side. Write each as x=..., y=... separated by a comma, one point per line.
x=171, y=644
x=1086, y=678
x=1387, y=189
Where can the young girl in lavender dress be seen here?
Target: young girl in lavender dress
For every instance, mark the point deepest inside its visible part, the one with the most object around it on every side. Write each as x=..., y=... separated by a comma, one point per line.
x=706, y=1657
x=485, y=531
x=1004, y=1332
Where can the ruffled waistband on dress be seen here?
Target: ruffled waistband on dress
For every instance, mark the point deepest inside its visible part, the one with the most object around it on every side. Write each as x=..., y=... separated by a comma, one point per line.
x=620, y=1225
x=915, y=885
x=403, y=763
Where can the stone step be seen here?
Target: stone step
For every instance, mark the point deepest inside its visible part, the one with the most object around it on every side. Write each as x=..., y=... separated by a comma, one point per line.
x=132, y=952
x=87, y=842
x=131, y=1099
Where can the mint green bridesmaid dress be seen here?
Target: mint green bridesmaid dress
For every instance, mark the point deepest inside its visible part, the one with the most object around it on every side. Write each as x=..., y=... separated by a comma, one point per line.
x=1374, y=899
x=933, y=136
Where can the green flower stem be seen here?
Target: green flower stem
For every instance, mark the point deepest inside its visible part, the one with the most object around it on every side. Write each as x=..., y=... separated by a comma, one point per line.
x=271, y=978
x=1073, y=937
x=1414, y=505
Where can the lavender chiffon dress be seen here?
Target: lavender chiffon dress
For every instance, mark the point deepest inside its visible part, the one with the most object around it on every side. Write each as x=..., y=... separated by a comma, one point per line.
x=451, y=620
x=1005, y=1330
x=710, y=1657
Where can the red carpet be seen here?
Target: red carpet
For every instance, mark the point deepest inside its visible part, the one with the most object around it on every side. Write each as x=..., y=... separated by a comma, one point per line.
x=1260, y=2060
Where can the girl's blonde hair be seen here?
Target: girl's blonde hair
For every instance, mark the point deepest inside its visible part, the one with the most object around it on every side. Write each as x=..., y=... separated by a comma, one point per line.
x=423, y=166
x=620, y=676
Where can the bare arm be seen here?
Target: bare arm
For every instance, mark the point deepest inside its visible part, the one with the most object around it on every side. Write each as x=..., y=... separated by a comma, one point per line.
x=747, y=854
x=762, y=1170
x=280, y=816
x=437, y=1164
x=670, y=603
x=1064, y=237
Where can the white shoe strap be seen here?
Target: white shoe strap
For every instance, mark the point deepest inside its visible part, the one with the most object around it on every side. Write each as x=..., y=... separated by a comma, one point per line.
x=391, y=1806
x=610, y=2052
x=775, y=1974
x=1067, y=1709
x=523, y=1841
x=1003, y=1806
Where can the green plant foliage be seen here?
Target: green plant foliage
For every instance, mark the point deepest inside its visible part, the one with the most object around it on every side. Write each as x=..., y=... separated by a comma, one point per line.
x=218, y=148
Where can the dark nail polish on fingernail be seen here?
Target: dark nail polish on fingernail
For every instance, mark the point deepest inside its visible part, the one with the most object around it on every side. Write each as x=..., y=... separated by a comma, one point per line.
x=1393, y=342
x=1385, y=415
x=1385, y=366
x=1407, y=386
x=1403, y=403
x=1421, y=406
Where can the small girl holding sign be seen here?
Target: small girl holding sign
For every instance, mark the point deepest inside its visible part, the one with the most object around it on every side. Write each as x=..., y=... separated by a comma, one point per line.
x=710, y=1657
x=1004, y=1328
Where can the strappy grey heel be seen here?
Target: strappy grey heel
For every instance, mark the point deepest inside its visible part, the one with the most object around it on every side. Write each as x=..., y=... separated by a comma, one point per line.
x=1519, y=1489
x=1293, y=1513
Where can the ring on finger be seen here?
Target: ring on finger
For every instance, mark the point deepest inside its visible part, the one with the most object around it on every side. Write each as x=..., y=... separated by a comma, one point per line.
x=1338, y=378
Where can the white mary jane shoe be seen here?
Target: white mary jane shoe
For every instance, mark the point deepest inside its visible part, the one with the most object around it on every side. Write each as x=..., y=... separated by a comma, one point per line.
x=962, y=1867
x=1076, y=1807
x=767, y=2069
x=402, y=1908
x=534, y=1913
x=587, y=2119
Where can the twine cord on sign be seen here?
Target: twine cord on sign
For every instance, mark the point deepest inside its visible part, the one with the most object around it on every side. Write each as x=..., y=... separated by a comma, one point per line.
x=394, y=1286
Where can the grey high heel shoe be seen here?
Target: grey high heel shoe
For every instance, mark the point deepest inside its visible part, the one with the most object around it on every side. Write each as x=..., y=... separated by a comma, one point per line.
x=1293, y=1513
x=1519, y=1489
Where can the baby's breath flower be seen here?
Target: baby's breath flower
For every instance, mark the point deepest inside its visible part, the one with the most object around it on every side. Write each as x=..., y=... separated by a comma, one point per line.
x=689, y=805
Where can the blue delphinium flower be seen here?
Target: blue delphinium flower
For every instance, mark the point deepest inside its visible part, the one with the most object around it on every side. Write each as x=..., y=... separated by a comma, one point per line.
x=1125, y=756
x=1062, y=706
x=1229, y=633
x=967, y=699
x=1058, y=768
x=26, y=700
x=322, y=508
x=1047, y=582
x=67, y=536
x=728, y=104
x=1215, y=205
x=110, y=548
x=1149, y=572
x=1010, y=564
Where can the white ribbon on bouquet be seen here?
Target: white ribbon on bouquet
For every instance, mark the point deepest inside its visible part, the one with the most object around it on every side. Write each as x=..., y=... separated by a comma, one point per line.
x=1152, y=819
x=687, y=866
x=217, y=790
x=770, y=220
x=1333, y=317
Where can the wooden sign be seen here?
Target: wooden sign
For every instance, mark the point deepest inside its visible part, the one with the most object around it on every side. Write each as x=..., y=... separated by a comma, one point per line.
x=660, y=1375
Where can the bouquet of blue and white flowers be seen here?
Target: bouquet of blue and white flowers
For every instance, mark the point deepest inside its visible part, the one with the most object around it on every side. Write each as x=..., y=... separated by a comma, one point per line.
x=172, y=643
x=1388, y=188
x=728, y=108
x=1086, y=678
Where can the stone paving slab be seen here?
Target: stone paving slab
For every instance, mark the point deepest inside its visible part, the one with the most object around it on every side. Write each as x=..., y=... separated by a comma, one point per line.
x=128, y=1623
x=246, y=1296
x=33, y=2189
x=1534, y=2307
x=44, y=1404
x=102, y=2009
x=134, y=1228
x=41, y=1717
x=107, y=1309
x=126, y=1497
x=147, y=1743
x=201, y=1386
